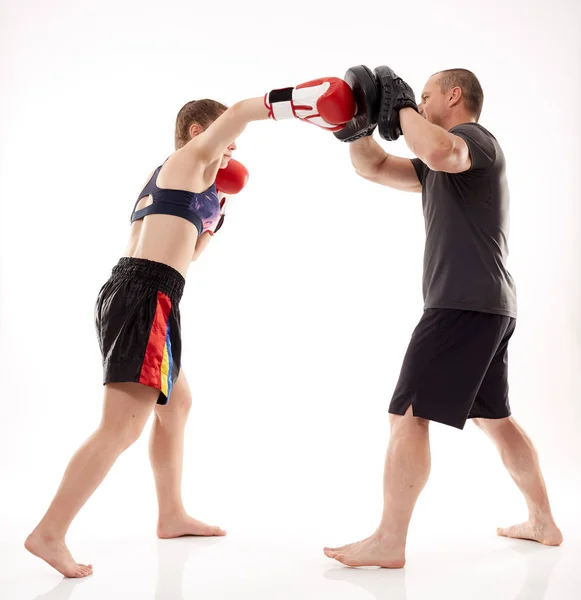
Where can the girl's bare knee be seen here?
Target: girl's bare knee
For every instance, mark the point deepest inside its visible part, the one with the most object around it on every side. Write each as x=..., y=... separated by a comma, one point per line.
x=179, y=404
x=120, y=435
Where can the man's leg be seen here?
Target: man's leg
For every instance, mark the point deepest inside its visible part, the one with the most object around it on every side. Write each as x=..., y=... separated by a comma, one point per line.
x=521, y=459
x=407, y=468
x=127, y=407
x=166, y=451
x=447, y=357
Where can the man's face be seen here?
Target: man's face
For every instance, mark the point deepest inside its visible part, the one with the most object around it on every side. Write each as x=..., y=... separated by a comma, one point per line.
x=433, y=102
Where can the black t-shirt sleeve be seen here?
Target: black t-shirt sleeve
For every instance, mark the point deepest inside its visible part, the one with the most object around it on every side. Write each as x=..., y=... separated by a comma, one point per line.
x=480, y=145
x=420, y=168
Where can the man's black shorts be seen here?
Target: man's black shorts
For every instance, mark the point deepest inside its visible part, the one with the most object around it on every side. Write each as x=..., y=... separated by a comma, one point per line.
x=456, y=367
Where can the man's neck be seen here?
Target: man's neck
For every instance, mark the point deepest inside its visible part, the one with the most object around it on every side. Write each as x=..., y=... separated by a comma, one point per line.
x=458, y=119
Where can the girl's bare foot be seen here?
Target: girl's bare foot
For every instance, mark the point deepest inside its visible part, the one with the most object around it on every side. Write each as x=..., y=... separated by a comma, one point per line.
x=56, y=554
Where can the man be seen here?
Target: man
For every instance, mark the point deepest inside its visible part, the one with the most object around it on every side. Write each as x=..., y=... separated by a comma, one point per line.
x=455, y=367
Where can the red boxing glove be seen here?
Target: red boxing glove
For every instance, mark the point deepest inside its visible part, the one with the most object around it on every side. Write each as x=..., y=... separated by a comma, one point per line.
x=232, y=178
x=327, y=102
x=229, y=181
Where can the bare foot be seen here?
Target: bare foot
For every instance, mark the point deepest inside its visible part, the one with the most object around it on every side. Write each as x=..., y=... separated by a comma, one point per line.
x=181, y=525
x=340, y=549
x=345, y=546
x=537, y=531
x=56, y=554
x=375, y=551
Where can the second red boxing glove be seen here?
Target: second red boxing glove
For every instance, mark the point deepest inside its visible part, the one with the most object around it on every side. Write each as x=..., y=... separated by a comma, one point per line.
x=229, y=182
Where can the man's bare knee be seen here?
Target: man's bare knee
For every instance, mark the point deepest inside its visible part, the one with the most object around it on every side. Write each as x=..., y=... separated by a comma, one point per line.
x=495, y=427
x=408, y=421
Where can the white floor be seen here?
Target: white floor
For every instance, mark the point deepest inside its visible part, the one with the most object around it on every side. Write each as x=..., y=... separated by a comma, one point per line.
x=280, y=565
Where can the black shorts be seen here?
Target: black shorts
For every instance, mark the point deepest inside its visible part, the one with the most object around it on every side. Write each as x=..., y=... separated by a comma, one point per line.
x=456, y=367
x=138, y=324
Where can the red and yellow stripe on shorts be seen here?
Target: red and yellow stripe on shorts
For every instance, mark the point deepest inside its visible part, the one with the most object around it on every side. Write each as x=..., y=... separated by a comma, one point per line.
x=157, y=364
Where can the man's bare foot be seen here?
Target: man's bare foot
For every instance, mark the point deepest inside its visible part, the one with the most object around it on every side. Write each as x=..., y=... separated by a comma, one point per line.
x=341, y=549
x=180, y=525
x=538, y=531
x=375, y=551
x=56, y=554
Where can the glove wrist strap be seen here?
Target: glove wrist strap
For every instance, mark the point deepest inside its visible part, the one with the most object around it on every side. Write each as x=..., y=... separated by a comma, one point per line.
x=280, y=105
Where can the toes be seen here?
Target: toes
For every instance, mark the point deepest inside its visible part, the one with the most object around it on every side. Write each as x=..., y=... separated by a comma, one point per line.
x=511, y=532
x=344, y=559
x=343, y=547
x=507, y=531
x=346, y=547
x=517, y=532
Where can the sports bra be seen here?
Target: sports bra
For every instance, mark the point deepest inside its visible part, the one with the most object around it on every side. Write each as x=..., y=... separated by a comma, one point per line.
x=203, y=209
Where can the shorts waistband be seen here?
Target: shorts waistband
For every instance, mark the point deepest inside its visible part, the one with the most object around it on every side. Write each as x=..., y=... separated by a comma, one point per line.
x=158, y=275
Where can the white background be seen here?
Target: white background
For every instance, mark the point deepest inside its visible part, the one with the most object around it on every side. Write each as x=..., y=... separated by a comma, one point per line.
x=296, y=319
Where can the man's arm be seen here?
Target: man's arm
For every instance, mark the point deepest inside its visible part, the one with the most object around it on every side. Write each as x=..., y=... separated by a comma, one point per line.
x=374, y=164
x=433, y=145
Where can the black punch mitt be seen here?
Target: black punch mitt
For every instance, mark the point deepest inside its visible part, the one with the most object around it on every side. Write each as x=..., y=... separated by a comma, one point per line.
x=395, y=94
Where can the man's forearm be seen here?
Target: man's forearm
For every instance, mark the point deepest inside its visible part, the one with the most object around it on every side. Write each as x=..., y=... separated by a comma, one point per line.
x=366, y=156
x=423, y=138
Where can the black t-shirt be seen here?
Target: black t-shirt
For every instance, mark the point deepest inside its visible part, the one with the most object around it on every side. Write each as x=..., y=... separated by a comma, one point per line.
x=467, y=224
